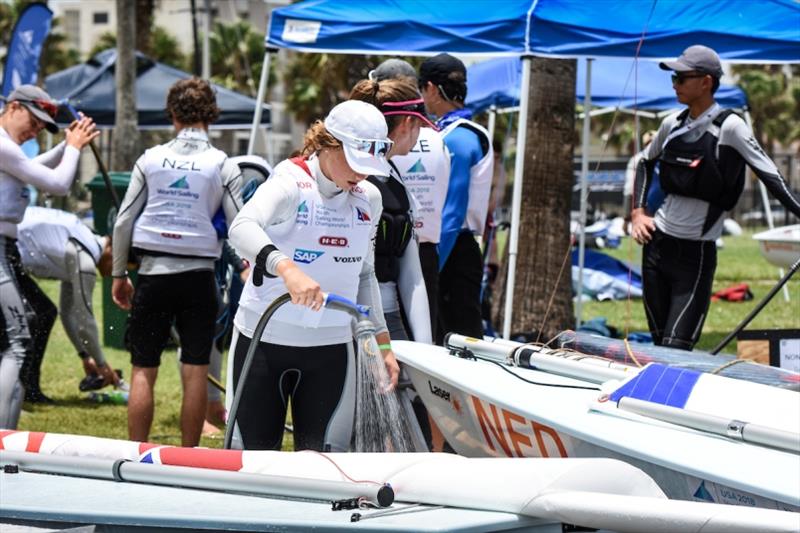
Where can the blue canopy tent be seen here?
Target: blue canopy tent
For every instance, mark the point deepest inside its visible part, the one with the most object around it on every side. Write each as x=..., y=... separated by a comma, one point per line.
x=91, y=88
x=497, y=83
x=740, y=30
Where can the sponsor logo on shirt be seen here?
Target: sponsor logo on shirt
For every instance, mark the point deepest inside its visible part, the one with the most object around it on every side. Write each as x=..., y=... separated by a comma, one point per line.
x=362, y=215
x=347, y=259
x=303, y=214
x=171, y=235
x=180, y=184
x=326, y=240
x=417, y=167
x=179, y=188
x=306, y=256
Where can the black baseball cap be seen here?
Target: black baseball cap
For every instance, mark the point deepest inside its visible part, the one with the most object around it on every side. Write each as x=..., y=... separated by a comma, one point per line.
x=446, y=72
x=392, y=69
x=38, y=102
x=697, y=58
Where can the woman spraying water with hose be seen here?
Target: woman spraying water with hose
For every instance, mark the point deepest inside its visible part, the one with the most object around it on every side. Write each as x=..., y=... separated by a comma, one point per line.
x=311, y=225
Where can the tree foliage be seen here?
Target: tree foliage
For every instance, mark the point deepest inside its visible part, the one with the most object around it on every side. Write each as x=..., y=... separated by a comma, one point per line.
x=164, y=47
x=237, y=56
x=774, y=102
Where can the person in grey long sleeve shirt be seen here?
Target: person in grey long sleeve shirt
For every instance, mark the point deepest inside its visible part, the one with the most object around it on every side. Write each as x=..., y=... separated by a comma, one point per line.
x=166, y=218
x=28, y=110
x=701, y=153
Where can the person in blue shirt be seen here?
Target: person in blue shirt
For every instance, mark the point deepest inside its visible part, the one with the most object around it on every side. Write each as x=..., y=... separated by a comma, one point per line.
x=443, y=84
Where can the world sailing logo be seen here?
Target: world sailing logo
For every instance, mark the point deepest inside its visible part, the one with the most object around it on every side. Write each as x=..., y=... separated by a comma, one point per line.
x=180, y=184
x=302, y=214
x=179, y=188
x=417, y=167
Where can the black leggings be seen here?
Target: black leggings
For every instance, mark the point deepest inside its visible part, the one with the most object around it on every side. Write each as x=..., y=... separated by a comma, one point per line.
x=317, y=379
x=677, y=278
x=460, y=290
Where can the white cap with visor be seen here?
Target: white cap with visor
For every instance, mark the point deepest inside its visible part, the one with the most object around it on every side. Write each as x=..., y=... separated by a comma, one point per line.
x=362, y=131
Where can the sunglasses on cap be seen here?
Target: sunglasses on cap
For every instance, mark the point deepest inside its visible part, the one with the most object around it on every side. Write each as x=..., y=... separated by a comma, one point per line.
x=680, y=77
x=373, y=147
x=414, y=108
x=44, y=105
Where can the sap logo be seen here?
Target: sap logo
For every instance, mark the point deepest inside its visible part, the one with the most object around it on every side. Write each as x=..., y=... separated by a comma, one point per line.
x=306, y=256
x=171, y=235
x=362, y=215
x=302, y=208
x=180, y=184
x=304, y=185
x=352, y=259
x=437, y=391
x=332, y=241
x=179, y=165
x=416, y=167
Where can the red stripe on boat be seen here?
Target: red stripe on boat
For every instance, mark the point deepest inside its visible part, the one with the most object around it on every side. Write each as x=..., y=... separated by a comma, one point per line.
x=202, y=458
x=35, y=439
x=144, y=446
x=3, y=434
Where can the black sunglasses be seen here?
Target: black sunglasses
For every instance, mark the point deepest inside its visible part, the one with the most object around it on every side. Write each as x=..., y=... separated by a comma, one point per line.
x=678, y=79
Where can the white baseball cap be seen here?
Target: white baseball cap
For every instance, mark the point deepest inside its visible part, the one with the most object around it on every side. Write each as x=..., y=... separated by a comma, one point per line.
x=362, y=131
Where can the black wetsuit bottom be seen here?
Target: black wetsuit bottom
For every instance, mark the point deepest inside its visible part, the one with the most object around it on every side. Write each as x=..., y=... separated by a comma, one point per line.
x=677, y=276
x=312, y=377
x=460, y=290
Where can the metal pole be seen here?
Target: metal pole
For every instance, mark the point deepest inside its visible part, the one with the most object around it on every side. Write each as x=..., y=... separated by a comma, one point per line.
x=758, y=308
x=206, y=40
x=587, y=105
x=734, y=429
x=516, y=199
x=199, y=478
x=262, y=91
x=492, y=121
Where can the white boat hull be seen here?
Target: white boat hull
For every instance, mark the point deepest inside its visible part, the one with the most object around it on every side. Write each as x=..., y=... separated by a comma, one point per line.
x=780, y=246
x=483, y=411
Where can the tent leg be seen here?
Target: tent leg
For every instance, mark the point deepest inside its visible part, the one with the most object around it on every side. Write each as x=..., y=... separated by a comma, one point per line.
x=587, y=105
x=262, y=90
x=516, y=198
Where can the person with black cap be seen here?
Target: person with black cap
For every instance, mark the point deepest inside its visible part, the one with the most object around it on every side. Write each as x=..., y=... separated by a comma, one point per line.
x=443, y=83
x=28, y=110
x=701, y=152
x=310, y=228
x=425, y=170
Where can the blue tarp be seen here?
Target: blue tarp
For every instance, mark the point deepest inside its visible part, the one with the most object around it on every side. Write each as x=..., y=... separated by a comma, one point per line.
x=763, y=30
x=91, y=88
x=615, y=82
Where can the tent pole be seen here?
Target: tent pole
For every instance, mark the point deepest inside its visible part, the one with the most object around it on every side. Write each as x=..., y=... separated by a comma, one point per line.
x=492, y=121
x=516, y=199
x=767, y=208
x=587, y=104
x=262, y=89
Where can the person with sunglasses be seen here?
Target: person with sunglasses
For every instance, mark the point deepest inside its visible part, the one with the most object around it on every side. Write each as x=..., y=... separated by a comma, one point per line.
x=425, y=172
x=701, y=153
x=397, y=263
x=443, y=83
x=167, y=215
x=27, y=111
x=310, y=228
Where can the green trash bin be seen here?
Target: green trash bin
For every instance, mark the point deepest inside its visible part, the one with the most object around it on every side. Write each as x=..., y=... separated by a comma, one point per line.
x=114, y=318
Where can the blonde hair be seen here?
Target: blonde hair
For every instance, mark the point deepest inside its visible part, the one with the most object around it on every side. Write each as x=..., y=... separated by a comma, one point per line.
x=318, y=138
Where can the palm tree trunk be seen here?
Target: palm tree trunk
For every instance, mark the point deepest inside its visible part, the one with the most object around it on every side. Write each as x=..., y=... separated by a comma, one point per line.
x=126, y=132
x=543, y=283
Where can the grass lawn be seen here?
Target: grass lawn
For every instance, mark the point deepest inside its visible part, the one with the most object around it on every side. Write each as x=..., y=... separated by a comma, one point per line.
x=739, y=261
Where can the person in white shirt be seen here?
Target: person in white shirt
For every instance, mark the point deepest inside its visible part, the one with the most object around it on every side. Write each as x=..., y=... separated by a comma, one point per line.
x=28, y=111
x=310, y=228
x=166, y=217
x=54, y=244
